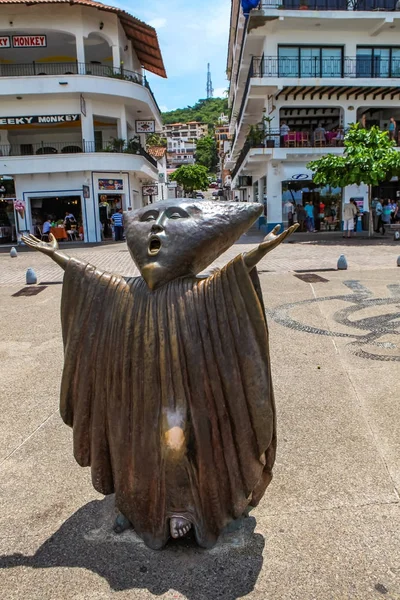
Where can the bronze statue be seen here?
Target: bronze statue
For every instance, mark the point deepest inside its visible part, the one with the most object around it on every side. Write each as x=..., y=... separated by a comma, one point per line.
x=167, y=379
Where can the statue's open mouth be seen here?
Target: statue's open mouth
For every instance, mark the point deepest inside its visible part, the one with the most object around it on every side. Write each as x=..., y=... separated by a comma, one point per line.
x=154, y=246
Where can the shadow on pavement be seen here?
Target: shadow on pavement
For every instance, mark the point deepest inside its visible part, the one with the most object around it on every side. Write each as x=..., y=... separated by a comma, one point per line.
x=228, y=571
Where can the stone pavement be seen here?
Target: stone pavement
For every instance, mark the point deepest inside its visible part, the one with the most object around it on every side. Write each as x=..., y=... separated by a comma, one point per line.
x=328, y=527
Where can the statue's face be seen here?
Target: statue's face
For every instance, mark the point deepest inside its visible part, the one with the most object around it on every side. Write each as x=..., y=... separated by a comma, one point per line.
x=178, y=238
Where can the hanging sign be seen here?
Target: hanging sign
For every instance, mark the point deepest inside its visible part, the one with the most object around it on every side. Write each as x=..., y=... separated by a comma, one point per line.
x=145, y=126
x=111, y=184
x=150, y=190
x=5, y=41
x=29, y=41
x=35, y=119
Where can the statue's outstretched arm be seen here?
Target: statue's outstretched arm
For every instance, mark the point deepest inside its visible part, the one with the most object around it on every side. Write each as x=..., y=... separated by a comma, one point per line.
x=271, y=241
x=50, y=248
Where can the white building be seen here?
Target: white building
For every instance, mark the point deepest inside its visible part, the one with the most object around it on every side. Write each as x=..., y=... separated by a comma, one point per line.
x=74, y=108
x=181, y=141
x=306, y=70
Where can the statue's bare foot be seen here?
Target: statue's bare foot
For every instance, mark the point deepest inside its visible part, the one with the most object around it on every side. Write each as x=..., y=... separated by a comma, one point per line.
x=121, y=523
x=179, y=527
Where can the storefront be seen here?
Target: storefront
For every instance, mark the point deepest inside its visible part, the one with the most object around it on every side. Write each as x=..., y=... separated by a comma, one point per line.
x=326, y=205
x=112, y=194
x=57, y=208
x=8, y=233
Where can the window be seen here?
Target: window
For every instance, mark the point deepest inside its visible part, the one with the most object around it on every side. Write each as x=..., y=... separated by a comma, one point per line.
x=378, y=62
x=310, y=61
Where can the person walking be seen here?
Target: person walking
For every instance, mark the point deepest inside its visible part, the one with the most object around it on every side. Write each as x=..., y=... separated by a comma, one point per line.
x=356, y=215
x=310, y=224
x=378, y=213
x=386, y=212
x=118, y=220
x=349, y=212
x=392, y=128
x=301, y=216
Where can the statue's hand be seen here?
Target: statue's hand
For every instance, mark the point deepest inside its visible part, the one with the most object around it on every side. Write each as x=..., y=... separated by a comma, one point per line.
x=46, y=247
x=271, y=241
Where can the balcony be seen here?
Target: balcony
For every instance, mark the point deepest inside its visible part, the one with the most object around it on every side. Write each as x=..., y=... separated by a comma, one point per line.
x=303, y=141
x=326, y=68
x=78, y=147
x=332, y=5
x=75, y=68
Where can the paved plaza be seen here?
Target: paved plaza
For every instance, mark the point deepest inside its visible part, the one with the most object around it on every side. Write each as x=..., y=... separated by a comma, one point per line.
x=328, y=527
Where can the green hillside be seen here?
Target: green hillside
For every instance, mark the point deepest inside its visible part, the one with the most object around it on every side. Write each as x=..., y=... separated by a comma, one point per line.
x=206, y=111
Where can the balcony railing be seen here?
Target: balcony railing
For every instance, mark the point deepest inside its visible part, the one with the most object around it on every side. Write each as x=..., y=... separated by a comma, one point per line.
x=81, y=146
x=363, y=5
x=71, y=68
x=341, y=67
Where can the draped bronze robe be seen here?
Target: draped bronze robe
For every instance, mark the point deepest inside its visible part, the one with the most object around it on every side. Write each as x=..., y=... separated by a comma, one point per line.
x=169, y=395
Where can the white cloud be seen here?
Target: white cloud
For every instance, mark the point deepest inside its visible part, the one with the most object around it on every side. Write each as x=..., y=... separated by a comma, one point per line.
x=158, y=23
x=220, y=92
x=164, y=108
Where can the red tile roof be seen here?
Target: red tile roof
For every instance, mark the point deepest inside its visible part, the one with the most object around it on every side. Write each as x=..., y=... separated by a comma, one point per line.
x=143, y=37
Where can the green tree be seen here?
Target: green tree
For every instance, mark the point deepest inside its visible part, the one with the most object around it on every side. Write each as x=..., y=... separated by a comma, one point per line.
x=206, y=111
x=156, y=139
x=191, y=178
x=369, y=157
x=206, y=152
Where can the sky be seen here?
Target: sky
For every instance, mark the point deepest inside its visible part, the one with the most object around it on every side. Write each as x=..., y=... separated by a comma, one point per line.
x=191, y=33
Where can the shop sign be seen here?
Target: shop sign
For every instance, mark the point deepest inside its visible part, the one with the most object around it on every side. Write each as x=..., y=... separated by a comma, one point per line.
x=39, y=119
x=29, y=41
x=161, y=177
x=301, y=177
x=145, y=126
x=111, y=185
x=150, y=190
x=5, y=41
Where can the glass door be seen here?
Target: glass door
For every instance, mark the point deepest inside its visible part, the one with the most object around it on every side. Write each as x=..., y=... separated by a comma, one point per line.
x=310, y=62
x=331, y=62
x=364, y=62
x=381, y=66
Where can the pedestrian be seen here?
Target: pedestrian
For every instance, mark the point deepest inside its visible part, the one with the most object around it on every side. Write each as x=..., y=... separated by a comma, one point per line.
x=310, y=224
x=396, y=216
x=301, y=216
x=378, y=213
x=386, y=210
x=393, y=206
x=356, y=215
x=392, y=128
x=46, y=230
x=283, y=131
x=118, y=221
x=349, y=212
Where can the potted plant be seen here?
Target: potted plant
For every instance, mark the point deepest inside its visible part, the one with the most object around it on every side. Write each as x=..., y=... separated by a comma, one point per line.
x=270, y=142
x=303, y=5
x=256, y=136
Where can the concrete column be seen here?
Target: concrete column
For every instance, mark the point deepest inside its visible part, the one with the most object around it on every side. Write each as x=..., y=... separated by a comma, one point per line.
x=349, y=116
x=80, y=54
x=116, y=55
x=87, y=127
x=274, y=197
x=122, y=126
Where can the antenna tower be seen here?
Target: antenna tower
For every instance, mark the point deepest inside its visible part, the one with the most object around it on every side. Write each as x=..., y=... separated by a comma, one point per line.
x=210, y=89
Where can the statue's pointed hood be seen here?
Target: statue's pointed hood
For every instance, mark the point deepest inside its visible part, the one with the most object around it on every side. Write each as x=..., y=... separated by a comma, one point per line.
x=182, y=237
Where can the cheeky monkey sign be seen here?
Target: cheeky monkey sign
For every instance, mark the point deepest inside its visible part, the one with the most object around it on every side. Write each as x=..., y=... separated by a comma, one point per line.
x=23, y=41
